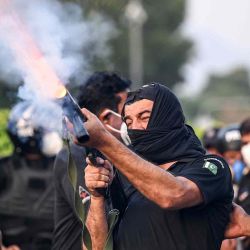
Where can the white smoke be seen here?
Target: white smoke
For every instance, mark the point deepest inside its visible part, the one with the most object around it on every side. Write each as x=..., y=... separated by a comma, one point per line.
x=67, y=39
x=62, y=33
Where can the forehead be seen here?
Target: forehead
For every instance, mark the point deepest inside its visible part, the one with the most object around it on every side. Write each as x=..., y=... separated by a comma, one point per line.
x=138, y=107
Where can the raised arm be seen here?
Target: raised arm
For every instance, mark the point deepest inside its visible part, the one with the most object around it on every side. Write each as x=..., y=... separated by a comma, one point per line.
x=97, y=177
x=155, y=183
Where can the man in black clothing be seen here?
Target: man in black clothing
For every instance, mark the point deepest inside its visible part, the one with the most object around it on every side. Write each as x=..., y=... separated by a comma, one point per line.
x=243, y=198
x=244, y=186
x=180, y=198
x=104, y=94
x=26, y=186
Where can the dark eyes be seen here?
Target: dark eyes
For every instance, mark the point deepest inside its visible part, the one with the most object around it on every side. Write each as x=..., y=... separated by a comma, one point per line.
x=145, y=118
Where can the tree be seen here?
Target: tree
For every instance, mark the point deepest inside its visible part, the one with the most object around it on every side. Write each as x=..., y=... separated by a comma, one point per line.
x=165, y=49
x=234, y=83
x=226, y=96
x=6, y=146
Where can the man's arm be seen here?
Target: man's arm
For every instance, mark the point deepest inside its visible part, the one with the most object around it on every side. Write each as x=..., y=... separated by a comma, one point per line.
x=97, y=177
x=239, y=223
x=97, y=223
x=155, y=183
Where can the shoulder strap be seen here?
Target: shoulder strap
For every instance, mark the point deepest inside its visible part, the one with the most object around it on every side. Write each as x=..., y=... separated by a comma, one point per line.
x=82, y=209
x=112, y=220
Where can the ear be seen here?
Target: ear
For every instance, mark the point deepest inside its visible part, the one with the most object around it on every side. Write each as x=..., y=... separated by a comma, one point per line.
x=104, y=116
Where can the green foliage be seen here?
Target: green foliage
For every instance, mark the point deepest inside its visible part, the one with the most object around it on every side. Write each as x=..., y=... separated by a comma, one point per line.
x=198, y=131
x=190, y=107
x=6, y=147
x=165, y=49
x=225, y=98
x=165, y=67
x=234, y=83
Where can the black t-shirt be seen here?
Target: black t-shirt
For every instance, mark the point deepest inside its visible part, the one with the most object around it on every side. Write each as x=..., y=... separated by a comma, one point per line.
x=68, y=227
x=243, y=198
x=144, y=225
x=26, y=202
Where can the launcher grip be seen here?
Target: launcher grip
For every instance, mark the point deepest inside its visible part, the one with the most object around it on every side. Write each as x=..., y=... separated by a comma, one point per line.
x=92, y=155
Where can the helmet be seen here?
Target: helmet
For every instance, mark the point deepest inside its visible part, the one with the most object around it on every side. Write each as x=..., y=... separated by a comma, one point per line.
x=209, y=138
x=28, y=137
x=229, y=138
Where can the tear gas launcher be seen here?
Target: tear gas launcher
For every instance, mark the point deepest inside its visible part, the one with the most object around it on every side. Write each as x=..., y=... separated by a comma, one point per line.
x=72, y=111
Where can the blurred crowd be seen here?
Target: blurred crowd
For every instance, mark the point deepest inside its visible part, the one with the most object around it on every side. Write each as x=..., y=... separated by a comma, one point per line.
x=27, y=187
x=26, y=184
x=232, y=142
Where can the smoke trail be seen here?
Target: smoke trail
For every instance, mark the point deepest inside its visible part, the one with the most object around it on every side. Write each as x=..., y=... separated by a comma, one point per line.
x=65, y=37
x=62, y=34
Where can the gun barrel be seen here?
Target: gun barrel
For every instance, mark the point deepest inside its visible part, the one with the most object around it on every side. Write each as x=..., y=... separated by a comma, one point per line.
x=73, y=112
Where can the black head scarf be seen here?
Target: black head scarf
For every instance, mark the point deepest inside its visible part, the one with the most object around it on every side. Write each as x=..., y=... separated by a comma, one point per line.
x=167, y=137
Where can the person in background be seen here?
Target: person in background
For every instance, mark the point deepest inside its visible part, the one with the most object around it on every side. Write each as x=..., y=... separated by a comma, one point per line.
x=26, y=187
x=243, y=197
x=209, y=140
x=229, y=146
x=104, y=93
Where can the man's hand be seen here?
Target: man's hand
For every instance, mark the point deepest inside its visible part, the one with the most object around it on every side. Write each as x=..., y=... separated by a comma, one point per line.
x=239, y=223
x=98, y=176
x=229, y=244
x=95, y=128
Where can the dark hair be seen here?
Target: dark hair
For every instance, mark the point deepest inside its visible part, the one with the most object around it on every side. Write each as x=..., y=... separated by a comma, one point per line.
x=100, y=91
x=209, y=138
x=245, y=127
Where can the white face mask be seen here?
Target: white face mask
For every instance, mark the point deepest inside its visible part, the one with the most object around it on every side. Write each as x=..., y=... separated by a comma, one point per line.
x=123, y=129
x=245, y=152
x=124, y=134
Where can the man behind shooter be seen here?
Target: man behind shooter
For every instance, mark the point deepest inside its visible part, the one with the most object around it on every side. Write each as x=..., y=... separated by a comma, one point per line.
x=243, y=198
x=104, y=93
x=182, y=198
x=209, y=140
x=26, y=187
x=229, y=146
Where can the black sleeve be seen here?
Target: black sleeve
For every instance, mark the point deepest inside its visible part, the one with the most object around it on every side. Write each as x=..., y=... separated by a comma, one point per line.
x=212, y=176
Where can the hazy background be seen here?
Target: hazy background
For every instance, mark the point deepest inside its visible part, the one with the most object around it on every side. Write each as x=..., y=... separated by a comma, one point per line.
x=200, y=49
x=219, y=30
